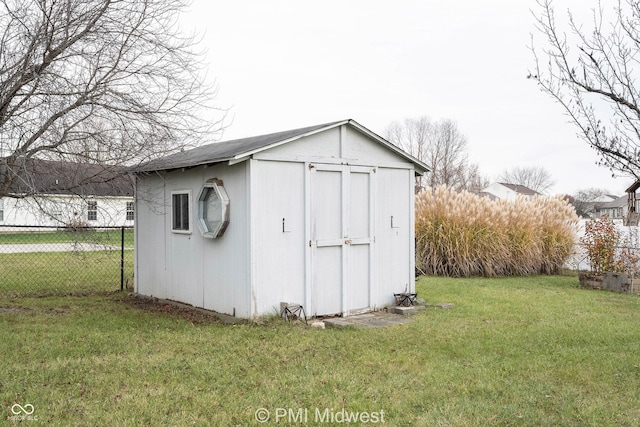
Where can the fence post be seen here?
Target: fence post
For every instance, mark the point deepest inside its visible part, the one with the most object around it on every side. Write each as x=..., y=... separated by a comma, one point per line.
x=122, y=259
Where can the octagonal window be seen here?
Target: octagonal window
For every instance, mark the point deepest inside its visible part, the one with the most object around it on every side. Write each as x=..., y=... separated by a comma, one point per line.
x=213, y=209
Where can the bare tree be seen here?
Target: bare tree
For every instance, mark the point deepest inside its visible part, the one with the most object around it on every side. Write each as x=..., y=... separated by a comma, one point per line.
x=413, y=136
x=448, y=151
x=590, y=69
x=472, y=180
x=536, y=178
x=439, y=144
x=109, y=82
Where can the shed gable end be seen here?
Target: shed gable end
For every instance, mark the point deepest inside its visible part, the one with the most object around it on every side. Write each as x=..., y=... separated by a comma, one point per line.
x=360, y=146
x=342, y=144
x=325, y=144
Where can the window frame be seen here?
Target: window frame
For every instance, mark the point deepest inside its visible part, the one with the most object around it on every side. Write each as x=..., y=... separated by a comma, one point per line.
x=92, y=210
x=216, y=187
x=130, y=211
x=187, y=230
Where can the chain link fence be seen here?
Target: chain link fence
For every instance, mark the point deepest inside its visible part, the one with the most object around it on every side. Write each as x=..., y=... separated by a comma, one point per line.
x=43, y=261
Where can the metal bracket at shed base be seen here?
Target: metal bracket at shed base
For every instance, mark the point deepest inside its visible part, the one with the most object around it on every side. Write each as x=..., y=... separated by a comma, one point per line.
x=406, y=299
x=292, y=311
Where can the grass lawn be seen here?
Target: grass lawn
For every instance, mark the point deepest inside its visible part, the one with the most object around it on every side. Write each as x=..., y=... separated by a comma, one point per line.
x=46, y=271
x=51, y=273
x=111, y=237
x=516, y=351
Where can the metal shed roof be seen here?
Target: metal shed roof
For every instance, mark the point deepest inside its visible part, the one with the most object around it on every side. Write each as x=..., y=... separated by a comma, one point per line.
x=240, y=149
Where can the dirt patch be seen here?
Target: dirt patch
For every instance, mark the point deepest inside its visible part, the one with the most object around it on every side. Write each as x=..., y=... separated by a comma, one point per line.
x=191, y=314
x=18, y=309
x=15, y=310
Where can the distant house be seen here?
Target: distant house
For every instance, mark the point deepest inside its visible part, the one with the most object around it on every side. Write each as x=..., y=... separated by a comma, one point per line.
x=605, y=198
x=590, y=206
x=505, y=191
x=615, y=209
x=54, y=193
x=599, y=203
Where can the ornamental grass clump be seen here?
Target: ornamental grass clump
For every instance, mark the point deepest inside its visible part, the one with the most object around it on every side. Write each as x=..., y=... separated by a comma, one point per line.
x=461, y=234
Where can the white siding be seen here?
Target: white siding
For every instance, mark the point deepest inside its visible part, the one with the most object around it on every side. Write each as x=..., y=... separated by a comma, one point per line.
x=151, y=236
x=501, y=192
x=188, y=267
x=183, y=256
x=226, y=259
x=314, y=147
x=363, y=150
x=61, y=210
x=394, y=242
x=278, y=234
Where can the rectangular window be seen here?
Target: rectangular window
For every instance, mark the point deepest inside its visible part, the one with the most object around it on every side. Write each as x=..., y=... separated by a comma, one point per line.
x=92, y=210
x=1, y=210
x=180, y=212
x=130, y=213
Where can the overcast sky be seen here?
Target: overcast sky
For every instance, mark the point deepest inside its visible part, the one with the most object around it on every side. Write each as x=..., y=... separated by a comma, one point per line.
x=284, y=64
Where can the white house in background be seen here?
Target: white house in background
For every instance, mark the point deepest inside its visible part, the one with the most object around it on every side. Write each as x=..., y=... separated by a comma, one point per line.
x=321, y=216
x=504, y=191
x=604, y=198
x=67, y=194
x=615, y=209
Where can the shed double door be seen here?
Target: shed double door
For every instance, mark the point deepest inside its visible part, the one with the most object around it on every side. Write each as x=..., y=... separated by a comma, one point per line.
x=341, y=215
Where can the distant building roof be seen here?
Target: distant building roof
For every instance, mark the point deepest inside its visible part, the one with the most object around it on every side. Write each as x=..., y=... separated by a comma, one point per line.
x=520, y=189
x=603, y=198
x=37, y=176
x=617, y=203
x=487, y=195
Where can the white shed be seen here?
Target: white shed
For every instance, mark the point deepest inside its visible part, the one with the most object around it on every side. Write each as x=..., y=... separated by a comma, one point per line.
x=321, y=216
